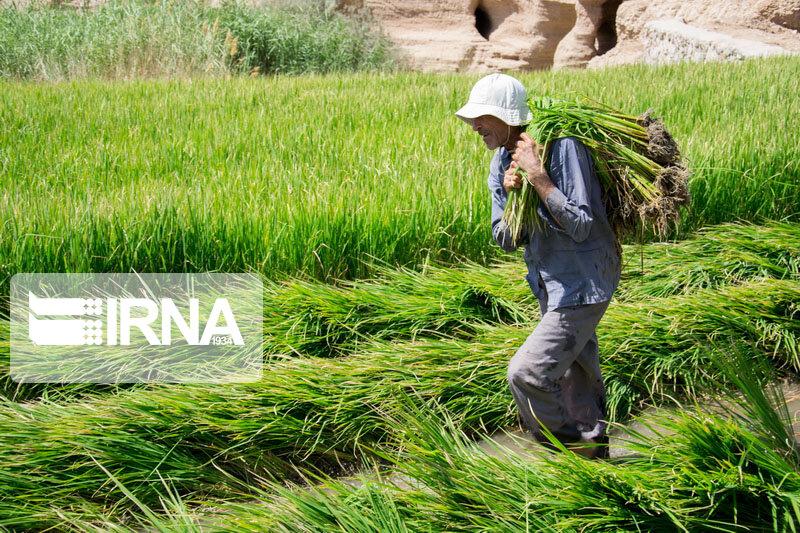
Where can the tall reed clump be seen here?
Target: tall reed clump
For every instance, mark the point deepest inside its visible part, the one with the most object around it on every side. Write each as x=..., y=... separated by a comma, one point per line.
x=306, y=36
x=185, y=38
x=642, y=174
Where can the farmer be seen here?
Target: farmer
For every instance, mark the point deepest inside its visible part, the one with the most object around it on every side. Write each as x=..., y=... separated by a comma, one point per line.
x=573, y=267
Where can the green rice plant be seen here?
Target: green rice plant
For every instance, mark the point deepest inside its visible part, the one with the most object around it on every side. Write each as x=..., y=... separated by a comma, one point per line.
x=227, y=175
x=712, y=257
x=330, y=506
x=653, y=346
x=756, y=401
x=230, y=193
x=171, y=515
x=697, y=471
x=318, y=413
x=465, y=488
x=441, y=481
x=731, y=469
x=641, y=173
x=322, y=320
x=310, y=318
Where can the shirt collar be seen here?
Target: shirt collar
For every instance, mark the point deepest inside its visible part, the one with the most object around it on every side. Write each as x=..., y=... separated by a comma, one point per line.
x=505, y=157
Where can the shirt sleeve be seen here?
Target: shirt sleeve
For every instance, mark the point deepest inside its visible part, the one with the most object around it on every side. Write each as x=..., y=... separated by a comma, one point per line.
x=572, y=173
x=500, y=231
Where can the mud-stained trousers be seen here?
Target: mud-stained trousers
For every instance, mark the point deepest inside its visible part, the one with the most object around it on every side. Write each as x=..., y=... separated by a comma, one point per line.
x=556, y=375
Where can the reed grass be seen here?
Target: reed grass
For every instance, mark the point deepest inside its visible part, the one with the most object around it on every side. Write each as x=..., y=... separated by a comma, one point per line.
x=139, y=38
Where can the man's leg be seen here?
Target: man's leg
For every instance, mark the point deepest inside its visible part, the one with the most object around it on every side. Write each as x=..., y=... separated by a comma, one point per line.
x=536, y=372
x=585, y=398
x=584, y=392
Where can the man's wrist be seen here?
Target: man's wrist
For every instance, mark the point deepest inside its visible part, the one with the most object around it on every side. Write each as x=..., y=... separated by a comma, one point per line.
x=541, y=183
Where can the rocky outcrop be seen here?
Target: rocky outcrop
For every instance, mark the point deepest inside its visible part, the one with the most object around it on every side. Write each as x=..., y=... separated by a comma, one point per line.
x=477, y=35
x=669, y=41
x=712, y=30
x=578, y=46
x=490, y=35
x=784, y=13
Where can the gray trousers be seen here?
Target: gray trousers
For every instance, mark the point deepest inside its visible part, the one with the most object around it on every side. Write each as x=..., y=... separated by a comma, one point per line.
x=555, y=375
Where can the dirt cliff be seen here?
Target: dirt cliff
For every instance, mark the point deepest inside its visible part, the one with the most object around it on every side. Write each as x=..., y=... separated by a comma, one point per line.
x=488, y=35
x=738, y=26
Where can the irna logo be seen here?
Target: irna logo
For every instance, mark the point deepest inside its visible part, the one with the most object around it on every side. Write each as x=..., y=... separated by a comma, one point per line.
x=134, y=328
x=121, y=317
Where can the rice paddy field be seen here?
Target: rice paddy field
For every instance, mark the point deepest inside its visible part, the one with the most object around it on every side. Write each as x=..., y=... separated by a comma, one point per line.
x=389, y=315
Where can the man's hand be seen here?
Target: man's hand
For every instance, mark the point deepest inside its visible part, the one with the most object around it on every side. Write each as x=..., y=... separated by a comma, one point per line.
x=512, y=180
x=529, y=156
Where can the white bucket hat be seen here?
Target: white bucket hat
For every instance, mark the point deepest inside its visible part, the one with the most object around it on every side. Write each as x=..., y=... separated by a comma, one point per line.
x=499, y=95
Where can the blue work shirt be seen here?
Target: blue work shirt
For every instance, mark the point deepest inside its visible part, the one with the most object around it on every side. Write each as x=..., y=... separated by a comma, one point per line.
x=578, y=260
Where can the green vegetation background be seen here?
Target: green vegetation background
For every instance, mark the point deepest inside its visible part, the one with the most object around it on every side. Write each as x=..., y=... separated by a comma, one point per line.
x=332, y=176
x=315, y=174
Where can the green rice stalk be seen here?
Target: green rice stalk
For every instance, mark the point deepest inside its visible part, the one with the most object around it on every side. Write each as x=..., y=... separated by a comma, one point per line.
x=757, y=401
x=319, y=412
x=701, y=472
x=642, y=175
x=321, y=320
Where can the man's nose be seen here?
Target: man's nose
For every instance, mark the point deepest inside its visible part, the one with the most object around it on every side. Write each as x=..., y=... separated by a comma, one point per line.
x=475, y=125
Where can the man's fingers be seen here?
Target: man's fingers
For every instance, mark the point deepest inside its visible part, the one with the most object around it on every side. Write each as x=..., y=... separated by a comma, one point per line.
x=512, y=181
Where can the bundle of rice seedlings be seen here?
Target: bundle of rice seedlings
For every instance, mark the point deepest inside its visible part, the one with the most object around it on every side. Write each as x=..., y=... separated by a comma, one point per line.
x=643, y=175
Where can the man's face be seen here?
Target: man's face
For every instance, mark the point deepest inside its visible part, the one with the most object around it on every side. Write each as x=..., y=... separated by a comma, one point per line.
x=493, y=130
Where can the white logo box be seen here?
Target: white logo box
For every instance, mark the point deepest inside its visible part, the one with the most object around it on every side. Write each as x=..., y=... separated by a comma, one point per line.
x=134, y=328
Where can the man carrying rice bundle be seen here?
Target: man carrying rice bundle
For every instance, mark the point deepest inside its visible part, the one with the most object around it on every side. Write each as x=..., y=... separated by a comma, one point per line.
x=573, y=267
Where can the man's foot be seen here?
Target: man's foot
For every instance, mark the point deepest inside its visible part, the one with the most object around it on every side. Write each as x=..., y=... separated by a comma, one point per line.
x=591, y=448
